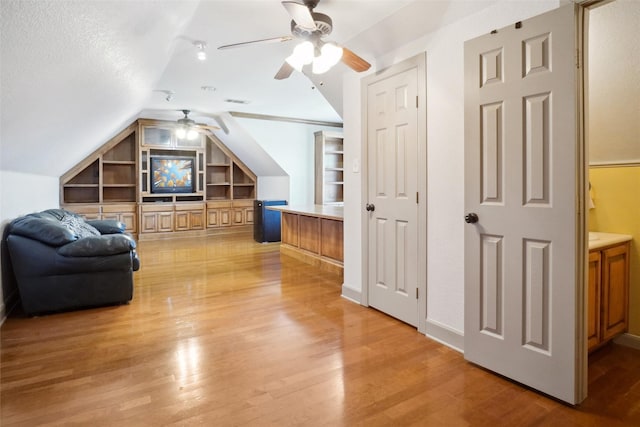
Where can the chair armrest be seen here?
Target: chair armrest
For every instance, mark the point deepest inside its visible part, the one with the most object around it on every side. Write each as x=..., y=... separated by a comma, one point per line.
x=109, y=244
x=107, y=226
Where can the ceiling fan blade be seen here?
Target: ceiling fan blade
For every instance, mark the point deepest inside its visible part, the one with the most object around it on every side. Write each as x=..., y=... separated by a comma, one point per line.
x=300, y=14
x=353, y=61
x=284, y=71
x=206, y=126
x=271, y=40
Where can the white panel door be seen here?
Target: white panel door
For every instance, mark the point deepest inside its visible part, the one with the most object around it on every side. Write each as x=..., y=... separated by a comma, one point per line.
x=521, y=159
x=392, y=164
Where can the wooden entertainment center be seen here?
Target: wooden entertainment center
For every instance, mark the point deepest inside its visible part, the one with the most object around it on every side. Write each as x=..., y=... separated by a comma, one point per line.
x=117, y=182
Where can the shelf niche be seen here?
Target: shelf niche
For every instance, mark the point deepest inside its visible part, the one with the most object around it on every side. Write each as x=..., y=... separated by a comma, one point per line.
x=108, y=175
x=227, y=178
x=329, y=168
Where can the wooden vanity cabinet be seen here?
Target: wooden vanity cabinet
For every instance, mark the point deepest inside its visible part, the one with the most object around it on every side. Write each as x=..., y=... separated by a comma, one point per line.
x=608, y=294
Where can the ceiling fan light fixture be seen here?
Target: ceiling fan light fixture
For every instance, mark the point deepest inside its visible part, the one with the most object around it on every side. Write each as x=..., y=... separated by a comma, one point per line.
x=329, y=56
x=301, y=56
x=192, y=134
x=181, y=132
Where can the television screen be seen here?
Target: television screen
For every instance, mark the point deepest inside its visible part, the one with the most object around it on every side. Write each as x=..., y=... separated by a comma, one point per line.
x=172, y=175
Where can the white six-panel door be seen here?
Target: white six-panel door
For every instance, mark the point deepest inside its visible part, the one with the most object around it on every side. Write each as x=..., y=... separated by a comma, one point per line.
x=521, y=159
x=392, y=165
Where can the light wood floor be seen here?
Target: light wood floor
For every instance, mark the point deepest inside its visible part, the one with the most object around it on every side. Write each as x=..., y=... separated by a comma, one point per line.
x=226, y=332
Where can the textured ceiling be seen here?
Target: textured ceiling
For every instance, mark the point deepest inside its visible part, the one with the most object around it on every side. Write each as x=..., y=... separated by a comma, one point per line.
x=74, y=72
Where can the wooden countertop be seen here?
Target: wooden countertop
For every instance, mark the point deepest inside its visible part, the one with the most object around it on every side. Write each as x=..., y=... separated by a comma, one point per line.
x=599, y=240
x=320, y=211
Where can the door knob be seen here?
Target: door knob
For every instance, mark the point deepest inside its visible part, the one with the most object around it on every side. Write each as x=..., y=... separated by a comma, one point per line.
x=471, y=218
x=371, y=207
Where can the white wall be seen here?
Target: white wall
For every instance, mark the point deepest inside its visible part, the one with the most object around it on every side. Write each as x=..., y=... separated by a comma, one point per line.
x=613, y=84
x=291, y=145
x=20, y=194
x=445, y=158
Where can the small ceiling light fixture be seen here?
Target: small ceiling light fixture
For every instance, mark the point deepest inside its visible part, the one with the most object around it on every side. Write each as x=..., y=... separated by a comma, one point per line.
x=201, y=46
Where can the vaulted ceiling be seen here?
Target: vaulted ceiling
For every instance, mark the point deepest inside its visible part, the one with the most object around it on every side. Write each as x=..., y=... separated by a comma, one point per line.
x=74, y=72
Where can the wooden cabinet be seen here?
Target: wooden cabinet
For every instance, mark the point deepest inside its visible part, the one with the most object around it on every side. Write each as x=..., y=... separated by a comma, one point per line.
x=329, y=168
x=218, y=214
x=156, y=218
x=314, y=236
x=242, y=212
x=608, y=294
x=189, y=217
x=594, y=290
x=227, y=213
x=123, y=212
x=169, y=217
x=615, y=291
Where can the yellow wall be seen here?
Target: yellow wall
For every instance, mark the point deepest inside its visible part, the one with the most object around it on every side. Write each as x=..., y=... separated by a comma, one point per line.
x=616, y=194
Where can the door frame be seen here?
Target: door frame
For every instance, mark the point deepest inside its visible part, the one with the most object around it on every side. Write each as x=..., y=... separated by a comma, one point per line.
x=419, y=62
x=582, y=44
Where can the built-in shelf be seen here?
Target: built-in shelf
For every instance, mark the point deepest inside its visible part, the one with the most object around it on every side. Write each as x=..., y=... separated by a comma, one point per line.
x=226, y=177
x=329, y=168
x=115, y=182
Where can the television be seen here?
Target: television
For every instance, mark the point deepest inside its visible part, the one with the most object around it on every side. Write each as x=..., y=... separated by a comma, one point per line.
x=172, y=174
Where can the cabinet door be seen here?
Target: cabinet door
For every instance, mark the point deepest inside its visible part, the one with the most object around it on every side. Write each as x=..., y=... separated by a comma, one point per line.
x=212, y=218
x=593, y=308
x=615, y=289
x=196, y=220
x=149, y=222
x=129, y=220
x=238, y=216
x=225, y=217
x=248, y=216
x=289, y=229
x=182, y=221
x=165, y=221
x=157, y=137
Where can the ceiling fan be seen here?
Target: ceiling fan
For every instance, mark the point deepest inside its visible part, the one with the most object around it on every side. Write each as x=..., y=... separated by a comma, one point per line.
x=310, y=27
x=187, y=128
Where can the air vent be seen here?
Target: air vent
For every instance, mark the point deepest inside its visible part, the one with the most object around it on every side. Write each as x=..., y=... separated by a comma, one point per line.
x=236, y=101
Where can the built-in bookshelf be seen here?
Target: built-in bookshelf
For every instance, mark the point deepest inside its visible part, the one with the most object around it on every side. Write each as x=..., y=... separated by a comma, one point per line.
x=115, y=182
x=329, y=168
x=227, y=178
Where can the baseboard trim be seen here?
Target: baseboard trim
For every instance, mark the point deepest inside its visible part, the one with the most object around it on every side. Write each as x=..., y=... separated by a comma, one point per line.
x=628, y=340
x=445, y=335
x=351, y=294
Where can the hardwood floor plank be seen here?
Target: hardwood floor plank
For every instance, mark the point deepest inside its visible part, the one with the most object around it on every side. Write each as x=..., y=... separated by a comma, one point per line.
x=226, y=331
